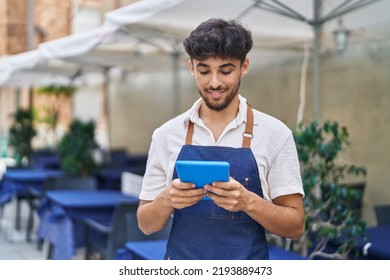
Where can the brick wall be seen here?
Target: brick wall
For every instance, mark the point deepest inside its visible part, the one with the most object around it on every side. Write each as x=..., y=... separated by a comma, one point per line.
x=3, y=33
x=13, y=26
x=51, y=16
x=3, y=45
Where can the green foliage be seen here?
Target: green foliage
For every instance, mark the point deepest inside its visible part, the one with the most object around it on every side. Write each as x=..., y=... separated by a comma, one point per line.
x=55, y=94
x=331, y=216
x=76, y=147
x=21, y=133
x=57, y=90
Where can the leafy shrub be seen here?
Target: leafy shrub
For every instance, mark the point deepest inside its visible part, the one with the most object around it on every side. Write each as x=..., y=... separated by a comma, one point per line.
x=21, y=133
x=332, y=206
x=76, y=148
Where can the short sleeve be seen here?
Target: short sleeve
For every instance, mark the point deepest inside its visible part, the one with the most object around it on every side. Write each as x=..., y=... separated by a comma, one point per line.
x=154, y=180
x=284, y=175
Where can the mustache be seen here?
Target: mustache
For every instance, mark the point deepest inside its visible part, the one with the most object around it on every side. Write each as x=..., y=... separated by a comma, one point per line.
x=217, y=88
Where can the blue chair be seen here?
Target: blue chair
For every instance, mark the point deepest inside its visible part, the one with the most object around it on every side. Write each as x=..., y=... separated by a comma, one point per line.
x=106, y=237
x=382, y=213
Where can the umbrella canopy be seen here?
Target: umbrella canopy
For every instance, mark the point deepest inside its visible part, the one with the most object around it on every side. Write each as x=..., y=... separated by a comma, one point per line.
x=159, y=26
x=135, y=35
x=140, y=35
x=34, y=71
x=275, y=24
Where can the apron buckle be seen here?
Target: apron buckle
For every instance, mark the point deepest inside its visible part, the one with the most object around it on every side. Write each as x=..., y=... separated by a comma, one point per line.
x=247, y=134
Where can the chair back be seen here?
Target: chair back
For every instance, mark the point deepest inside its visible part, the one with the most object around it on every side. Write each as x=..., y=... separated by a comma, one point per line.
x=124, y=228
x=382, y=213
x=70, y=183
x=131, y=183
x=357, y=203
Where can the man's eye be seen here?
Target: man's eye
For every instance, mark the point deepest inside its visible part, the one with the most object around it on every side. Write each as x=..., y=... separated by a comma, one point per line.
x=203, y=72
x=226, y=72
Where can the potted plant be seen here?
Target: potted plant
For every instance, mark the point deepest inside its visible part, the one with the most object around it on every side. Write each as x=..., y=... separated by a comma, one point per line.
x=76, y=149
x=333, y=224
x=21, y=133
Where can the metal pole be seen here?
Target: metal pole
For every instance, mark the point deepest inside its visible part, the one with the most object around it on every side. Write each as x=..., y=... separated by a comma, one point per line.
x=106, y=107
x=176, y=83
x=31, y=23
x=316, y=60
x=30, y=41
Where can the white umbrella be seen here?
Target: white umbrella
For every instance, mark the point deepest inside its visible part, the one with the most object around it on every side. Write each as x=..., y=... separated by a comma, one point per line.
x=136, y=35
x=276, y=24
x=33, y=70
x=131, y=33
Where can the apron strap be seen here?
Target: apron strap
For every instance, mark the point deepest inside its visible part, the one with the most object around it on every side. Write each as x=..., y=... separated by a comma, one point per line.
x=190, y=132
x=247, y=134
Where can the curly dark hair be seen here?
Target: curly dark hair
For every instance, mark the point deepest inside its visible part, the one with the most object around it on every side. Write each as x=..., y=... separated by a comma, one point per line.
x=219, y=38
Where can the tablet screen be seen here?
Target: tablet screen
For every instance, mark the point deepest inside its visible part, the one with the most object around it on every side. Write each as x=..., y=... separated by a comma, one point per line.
x=202, y=172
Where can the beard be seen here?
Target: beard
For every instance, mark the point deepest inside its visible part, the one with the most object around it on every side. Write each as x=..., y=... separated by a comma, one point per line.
x=219, y=105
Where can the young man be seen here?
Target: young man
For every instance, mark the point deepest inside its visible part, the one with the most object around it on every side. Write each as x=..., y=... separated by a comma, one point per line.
x=265, y=189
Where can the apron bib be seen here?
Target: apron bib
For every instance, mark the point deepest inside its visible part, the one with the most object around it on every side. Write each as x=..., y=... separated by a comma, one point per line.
x=207, y=231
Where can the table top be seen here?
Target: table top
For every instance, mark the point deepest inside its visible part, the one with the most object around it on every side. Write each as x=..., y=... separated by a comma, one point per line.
x=89, y=198
x=378, y=242
x=31, y=174
x=155, y=250
x=148, y=250
x=20, y=181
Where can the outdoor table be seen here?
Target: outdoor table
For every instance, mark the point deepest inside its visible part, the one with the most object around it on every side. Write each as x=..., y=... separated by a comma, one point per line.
x=17, y=183
x=377, y=245
x=155, y=250
x=62, y=213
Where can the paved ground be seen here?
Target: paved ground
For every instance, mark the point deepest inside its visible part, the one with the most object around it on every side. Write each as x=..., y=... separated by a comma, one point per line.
x=13, y=245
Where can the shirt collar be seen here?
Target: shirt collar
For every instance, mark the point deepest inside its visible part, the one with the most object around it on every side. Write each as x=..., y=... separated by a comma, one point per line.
x=193, y=112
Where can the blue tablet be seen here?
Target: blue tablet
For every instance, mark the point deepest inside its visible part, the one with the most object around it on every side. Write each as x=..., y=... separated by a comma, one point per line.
x=202, y=172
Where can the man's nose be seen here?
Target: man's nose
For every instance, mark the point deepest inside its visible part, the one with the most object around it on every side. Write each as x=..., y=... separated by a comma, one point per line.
x=215, y=82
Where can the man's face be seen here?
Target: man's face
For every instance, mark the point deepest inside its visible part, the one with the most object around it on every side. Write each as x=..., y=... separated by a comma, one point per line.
x=218, y=79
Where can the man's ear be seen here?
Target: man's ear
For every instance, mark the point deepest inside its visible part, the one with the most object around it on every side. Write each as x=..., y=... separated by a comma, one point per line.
x=245, y=67
x=191, y=67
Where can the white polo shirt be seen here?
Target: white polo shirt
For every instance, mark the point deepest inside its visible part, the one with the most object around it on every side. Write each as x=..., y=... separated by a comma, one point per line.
x=272, y=145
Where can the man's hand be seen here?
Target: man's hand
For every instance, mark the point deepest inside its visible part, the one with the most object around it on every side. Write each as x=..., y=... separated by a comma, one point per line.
x=231, y=196
x=180, y=195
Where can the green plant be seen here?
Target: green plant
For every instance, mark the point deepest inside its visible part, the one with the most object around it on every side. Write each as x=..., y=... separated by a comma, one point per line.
x=76, y=147
x=21, y=133
x=55, y=97
x=330, y=216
